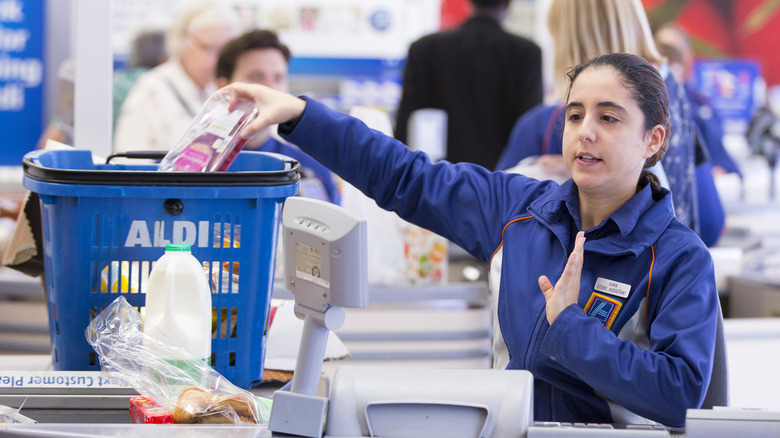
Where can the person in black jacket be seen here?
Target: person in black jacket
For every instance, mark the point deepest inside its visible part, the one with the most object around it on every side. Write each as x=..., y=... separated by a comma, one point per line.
x=482, y=76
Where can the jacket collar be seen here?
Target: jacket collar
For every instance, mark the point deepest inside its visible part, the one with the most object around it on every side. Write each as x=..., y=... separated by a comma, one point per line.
x=637, y=224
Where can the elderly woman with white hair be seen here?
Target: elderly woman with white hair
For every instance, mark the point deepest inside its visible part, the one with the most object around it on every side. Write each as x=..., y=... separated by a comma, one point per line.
x=163, y=102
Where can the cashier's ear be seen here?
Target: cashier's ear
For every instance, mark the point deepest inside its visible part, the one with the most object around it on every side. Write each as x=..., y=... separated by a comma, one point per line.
x=655, y=146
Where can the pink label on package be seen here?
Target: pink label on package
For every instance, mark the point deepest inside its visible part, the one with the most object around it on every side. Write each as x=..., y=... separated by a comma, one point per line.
x=194, y=158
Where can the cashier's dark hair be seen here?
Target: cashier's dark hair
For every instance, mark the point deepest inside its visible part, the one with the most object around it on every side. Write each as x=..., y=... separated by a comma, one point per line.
x=253, y=40
x=647, y=88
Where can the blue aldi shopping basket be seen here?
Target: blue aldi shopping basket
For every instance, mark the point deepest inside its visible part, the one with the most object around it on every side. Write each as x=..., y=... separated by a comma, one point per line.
x=105, y=224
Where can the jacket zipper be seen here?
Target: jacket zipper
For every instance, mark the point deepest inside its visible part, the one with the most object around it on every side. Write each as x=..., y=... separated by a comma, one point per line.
x=534, y=336
x=543, y=314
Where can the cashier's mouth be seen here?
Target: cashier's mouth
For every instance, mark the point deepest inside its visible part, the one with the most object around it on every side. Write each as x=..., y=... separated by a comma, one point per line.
x=588, y=158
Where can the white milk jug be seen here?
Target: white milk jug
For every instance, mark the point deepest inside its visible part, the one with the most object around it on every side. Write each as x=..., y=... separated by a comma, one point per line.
x=178, y=303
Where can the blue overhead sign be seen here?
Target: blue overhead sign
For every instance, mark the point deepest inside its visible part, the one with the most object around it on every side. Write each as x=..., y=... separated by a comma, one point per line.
x=730, y=85
x=21, y=77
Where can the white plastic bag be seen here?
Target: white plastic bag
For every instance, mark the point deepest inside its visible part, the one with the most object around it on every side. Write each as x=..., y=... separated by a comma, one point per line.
x=193, y=391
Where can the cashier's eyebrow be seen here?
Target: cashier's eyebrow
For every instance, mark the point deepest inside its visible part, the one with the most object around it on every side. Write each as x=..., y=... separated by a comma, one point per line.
x=605, y=104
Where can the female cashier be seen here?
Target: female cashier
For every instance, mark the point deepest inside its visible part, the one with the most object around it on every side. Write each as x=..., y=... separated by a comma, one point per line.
x=602, y=294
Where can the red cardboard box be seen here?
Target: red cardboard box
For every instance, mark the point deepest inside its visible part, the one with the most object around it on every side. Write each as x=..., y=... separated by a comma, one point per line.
x=148, y=411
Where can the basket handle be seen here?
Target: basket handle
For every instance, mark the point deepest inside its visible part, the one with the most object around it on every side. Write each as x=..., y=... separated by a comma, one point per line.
x=138, y=155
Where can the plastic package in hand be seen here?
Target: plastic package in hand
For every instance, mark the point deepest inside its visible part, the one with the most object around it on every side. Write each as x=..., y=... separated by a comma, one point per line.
x=211, y=142
x=192, y=390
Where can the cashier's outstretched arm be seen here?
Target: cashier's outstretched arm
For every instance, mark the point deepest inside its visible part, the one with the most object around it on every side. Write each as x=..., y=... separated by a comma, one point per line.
x=275, y=106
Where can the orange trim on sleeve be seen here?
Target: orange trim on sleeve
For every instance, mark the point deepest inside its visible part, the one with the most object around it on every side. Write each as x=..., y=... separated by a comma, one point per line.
x=649, y=280
x=502, y=238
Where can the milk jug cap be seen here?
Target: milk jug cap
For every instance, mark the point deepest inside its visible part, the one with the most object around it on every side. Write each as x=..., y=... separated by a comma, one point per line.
x=177, y=247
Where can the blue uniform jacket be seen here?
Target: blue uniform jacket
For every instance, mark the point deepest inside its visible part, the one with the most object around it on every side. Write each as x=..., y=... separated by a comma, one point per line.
x=649, y=351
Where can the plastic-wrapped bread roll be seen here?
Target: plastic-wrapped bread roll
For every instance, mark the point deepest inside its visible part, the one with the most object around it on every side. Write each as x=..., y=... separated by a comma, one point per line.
x=229, y=409
x=192, y=403
x=196, y=405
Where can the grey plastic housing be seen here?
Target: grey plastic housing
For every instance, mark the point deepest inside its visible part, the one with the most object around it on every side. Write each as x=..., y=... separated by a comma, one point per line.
x=325, y=254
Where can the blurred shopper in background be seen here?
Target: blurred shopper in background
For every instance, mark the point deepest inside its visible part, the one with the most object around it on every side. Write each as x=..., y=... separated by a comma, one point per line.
x=674, y=43
x=259, y=57
x=147, y=51
x=164, y=101
x=712, y=159
x=481, y=75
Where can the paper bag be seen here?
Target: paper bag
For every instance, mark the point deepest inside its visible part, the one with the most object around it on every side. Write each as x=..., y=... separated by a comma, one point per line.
x=25, y=250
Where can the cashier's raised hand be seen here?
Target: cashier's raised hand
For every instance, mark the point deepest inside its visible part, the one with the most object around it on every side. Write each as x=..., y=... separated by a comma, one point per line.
x=567, y=289
x=274, y=106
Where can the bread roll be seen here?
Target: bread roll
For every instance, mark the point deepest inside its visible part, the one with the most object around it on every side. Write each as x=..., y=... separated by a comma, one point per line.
x=191, y=404
x=235, y=407
x=196, y=405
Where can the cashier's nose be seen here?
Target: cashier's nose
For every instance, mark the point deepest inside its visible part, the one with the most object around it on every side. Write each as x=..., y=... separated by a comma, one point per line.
x=586, y=130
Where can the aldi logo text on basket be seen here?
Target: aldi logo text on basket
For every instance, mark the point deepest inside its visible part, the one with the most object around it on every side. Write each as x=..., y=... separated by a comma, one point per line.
x=182, y=232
